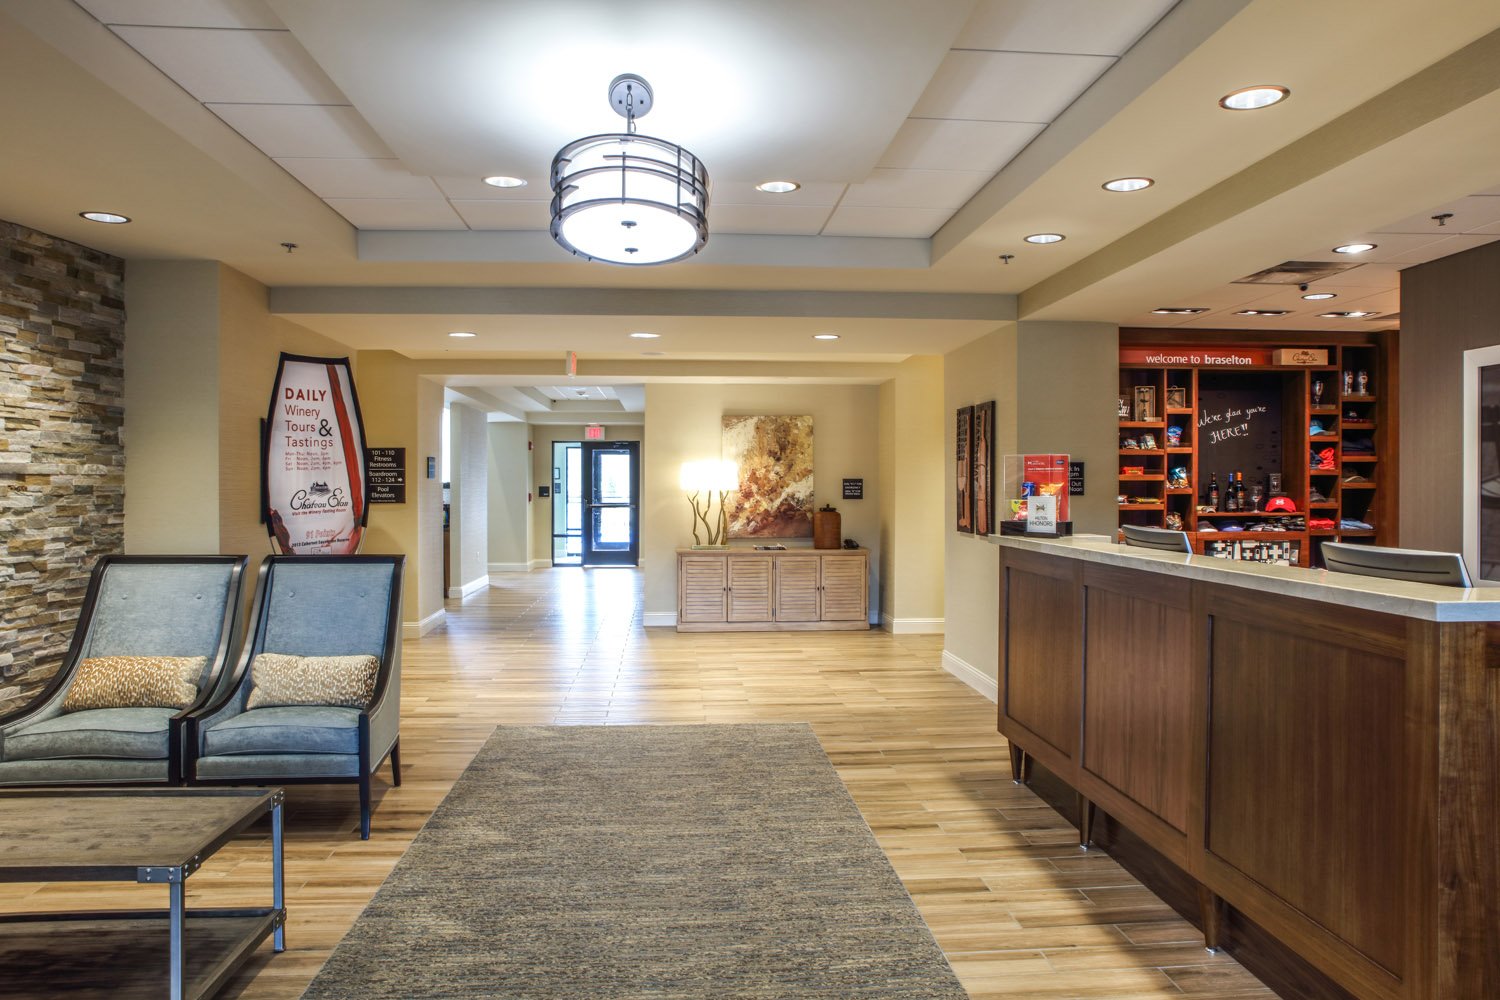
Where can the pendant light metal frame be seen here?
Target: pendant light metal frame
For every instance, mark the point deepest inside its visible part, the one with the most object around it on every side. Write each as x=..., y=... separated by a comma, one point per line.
x=637, y=161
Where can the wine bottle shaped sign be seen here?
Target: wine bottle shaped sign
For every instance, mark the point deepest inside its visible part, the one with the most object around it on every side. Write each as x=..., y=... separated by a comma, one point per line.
x=314, y=477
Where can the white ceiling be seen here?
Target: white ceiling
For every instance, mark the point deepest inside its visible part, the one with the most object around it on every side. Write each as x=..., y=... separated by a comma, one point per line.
x=891, y=114
x=930, y=139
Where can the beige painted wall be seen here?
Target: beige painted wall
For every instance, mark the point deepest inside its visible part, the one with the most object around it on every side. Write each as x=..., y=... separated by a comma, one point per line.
x=408, y=415
x=912, y=588
x=1067, y=393
x=509, y=474
x=200, y=358
x=250, y=343
x=468, y=498
x=683, y=423
x=171, y=406
x=976, y=373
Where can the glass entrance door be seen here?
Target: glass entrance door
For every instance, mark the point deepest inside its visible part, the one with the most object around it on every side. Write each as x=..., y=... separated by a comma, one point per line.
x=611, y=486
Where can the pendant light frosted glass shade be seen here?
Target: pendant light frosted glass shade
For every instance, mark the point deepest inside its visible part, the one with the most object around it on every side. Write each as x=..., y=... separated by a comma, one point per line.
x=629, y=199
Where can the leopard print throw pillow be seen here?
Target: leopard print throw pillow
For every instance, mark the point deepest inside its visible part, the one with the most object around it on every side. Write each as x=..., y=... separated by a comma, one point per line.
x=282, y=679
x=135, y=682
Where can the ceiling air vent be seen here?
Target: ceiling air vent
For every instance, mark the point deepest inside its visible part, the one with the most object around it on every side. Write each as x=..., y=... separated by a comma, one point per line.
x=1296, y=272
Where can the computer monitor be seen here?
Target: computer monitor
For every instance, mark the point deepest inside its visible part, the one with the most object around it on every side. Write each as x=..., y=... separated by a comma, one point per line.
x=1443, y=568
x=1156, y=538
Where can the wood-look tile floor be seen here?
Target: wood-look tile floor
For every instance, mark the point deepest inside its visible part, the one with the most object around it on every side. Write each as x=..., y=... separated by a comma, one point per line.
x=1018, y=909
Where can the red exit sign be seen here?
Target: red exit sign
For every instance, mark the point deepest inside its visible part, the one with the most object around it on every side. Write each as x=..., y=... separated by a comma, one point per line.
x=593, y=432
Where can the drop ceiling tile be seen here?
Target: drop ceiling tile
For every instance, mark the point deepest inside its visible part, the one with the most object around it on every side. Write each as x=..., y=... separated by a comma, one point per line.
x=235, y=67
x=1443, y=248
x=780, y=220
x=1007, y=86
x=397, y=213
x=175, y=13
x=303, y=130
x=1100, y=27
x=491, y=214
x=815, y=193
x=1367, y=276
x=347, y=177
x=852, y=220
x=916, y=189
x=475, y=189
x=938, y=144
x=1469, y=214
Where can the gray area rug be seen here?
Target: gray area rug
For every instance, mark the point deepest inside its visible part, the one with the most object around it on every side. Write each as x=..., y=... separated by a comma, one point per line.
x=644, y=862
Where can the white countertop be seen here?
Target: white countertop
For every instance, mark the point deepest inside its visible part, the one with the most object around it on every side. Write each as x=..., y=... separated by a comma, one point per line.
x=1396, y=597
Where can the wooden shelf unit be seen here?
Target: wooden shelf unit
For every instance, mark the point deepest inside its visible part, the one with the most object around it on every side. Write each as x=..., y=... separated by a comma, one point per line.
x=1343, y=417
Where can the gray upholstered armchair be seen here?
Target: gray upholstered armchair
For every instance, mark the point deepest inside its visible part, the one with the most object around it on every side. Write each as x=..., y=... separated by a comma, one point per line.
x=310, y=606
x=135, y=607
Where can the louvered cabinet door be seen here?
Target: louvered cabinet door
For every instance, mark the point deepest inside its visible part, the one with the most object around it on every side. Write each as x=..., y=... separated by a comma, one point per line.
x=703, y=589
x=843, y=588
x=797, y=582
x=749, y=588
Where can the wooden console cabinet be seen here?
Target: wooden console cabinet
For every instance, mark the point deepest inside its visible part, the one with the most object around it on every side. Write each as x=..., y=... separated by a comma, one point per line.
x=1319, y=757
x=756, y=590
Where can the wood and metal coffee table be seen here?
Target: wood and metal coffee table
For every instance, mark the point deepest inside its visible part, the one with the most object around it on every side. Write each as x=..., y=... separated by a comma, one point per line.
x=154, y=837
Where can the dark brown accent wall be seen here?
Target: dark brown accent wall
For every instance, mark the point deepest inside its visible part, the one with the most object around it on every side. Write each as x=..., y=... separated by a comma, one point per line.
x=1449, y=306
x=62, y=465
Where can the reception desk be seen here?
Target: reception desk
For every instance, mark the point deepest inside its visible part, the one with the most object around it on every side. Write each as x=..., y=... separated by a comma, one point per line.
x=1319, y=752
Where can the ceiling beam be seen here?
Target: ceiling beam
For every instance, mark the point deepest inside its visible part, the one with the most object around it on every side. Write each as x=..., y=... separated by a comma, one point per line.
x=439, y=301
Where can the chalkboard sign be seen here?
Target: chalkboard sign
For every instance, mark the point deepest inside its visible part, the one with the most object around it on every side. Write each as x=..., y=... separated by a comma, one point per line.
x=854, y=489
x=1239, y=426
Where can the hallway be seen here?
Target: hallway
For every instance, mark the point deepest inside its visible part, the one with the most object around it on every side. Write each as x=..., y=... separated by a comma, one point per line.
x=998, y=876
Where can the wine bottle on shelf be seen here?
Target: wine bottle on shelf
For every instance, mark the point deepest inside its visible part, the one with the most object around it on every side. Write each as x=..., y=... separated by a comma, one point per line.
x=1239, y=491
x=1231, y=502
x=1213, y=491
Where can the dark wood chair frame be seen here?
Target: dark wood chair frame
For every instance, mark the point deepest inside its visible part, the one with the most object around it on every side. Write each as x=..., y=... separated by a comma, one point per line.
x=387, y=663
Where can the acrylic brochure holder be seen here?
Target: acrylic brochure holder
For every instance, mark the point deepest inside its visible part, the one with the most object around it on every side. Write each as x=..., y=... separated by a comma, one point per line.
x=1026, y=479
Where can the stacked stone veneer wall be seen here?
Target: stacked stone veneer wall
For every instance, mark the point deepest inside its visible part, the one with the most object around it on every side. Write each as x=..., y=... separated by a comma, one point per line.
x=62, y=465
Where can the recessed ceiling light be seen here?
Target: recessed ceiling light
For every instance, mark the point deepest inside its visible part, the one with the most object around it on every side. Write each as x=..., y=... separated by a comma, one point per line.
x=108, y=218
x=640, y=335
x=825, y=336
x=1263, y=312
x=1179, y=310
x=777, y=187
x=1128, y=184
x=1351, y=314
x=1354, y=248
x=1320, y=296
x=502, y=181
x=462, y=333
x=1045, y=238
x=1254, y=98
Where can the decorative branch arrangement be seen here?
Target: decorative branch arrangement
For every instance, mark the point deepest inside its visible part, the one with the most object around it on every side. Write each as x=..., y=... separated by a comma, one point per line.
x=718, y=533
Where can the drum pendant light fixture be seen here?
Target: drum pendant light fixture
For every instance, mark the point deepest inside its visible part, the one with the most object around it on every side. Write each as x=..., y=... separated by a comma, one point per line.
x=625, y=198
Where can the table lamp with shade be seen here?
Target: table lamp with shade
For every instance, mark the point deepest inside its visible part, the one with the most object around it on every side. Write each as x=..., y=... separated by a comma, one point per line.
x=704, y=479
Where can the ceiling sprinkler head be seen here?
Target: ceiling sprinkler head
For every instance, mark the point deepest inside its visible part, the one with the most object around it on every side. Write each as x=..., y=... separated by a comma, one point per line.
x=1442, y=218
x=1006, y=258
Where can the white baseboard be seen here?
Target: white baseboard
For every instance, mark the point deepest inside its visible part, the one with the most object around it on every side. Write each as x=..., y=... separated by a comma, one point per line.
x=539, y=564
x=911, y=626
x=516, y=567
x=415, y=630
x=474, y=586
x=972, y=676
x=659, y=619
